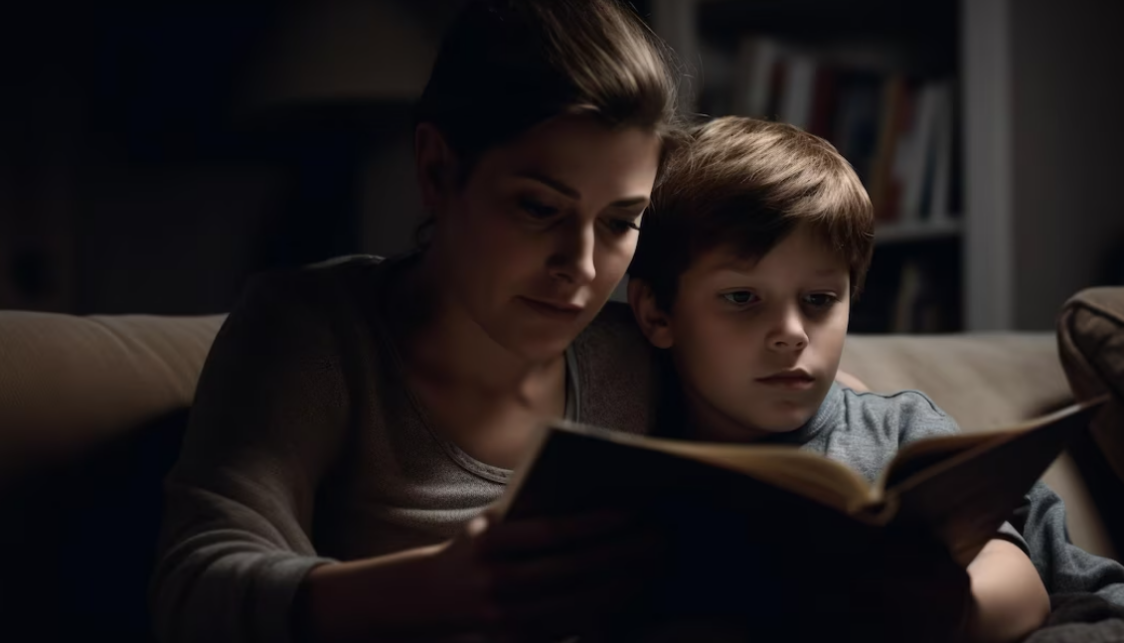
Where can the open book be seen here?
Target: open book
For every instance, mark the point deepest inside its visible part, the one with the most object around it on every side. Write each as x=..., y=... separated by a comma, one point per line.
x=958, y=489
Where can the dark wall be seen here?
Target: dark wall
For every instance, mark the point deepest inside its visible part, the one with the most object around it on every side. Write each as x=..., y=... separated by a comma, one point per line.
x=130, y=180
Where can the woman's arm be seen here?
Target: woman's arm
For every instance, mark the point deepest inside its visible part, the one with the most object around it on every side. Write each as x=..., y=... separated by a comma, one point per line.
x=1009, y=600
x=527, y=580
x=269, y=417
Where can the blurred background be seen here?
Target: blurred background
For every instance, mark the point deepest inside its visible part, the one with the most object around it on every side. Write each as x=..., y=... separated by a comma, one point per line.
x=154, y=157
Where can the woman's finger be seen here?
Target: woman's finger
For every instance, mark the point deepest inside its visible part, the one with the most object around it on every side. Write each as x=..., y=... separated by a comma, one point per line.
x=577, y=612
x=637, y=554
x=516, y=538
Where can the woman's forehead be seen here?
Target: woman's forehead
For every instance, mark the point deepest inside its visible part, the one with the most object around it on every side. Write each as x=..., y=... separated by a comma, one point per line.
x=571, y=152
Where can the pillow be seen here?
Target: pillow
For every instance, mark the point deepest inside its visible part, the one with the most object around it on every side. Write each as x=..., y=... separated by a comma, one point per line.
x=1091, y=346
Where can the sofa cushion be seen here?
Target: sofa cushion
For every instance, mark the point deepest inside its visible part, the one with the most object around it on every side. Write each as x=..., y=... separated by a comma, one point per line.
x=983, y=380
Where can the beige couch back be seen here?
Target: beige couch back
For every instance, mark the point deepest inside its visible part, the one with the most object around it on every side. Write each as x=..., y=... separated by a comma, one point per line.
x=70, y=383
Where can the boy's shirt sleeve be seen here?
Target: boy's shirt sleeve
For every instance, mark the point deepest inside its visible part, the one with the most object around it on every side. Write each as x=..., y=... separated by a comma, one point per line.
x=919, y=418
x=1037, y=526
x=1063, y=566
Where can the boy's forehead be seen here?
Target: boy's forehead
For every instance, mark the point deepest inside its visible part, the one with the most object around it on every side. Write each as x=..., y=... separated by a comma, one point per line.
x=806, y=253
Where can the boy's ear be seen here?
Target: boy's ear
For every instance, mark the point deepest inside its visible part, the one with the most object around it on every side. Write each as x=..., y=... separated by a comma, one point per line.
x=435, y=165
x=654, y=323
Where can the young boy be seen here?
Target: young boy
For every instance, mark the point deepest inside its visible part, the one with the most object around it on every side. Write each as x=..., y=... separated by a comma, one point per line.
x=759, y=237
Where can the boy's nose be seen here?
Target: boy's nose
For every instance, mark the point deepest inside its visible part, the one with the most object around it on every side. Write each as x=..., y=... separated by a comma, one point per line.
x=789, y=333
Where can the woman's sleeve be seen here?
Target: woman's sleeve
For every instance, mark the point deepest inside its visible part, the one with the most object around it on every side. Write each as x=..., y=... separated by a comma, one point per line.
x=270, y=413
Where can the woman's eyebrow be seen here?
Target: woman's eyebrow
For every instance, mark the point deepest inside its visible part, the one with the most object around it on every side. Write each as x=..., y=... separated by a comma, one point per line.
x=629, y=202
x=554, y=184
x=559, y=186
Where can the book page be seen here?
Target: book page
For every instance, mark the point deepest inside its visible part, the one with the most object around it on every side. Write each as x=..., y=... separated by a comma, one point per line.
x=808, y=474
x=918, y=456
x=966, y=497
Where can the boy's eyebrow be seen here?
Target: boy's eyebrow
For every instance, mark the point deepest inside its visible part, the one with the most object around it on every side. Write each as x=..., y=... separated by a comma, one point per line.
x=735, y=263
x=743, y=266
x=559, y=186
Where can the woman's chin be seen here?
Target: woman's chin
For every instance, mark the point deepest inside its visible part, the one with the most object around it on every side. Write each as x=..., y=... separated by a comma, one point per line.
x=539, y=348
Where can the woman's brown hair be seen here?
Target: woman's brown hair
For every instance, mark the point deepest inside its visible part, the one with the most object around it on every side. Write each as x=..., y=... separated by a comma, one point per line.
x=508, y=65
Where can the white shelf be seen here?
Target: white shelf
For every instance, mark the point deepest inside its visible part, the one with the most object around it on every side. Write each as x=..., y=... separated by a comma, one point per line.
x=902, y=232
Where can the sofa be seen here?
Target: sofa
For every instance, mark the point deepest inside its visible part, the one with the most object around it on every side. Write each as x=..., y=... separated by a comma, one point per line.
x=92, y=411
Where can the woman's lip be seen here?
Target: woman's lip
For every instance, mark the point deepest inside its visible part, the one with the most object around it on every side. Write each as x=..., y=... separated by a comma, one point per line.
x=560, y=309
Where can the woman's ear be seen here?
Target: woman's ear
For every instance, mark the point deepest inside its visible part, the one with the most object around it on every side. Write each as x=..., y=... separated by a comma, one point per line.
x=653, y=322
x=435, y=165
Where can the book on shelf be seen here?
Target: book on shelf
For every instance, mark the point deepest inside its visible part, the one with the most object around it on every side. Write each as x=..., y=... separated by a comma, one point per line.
x=897, y=130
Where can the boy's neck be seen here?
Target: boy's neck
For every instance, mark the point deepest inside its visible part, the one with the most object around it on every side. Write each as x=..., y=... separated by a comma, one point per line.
x=705, y=423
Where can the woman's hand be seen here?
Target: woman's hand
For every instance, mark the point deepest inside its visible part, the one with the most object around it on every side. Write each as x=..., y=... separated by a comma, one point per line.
x=509, y=581
x=540, y=579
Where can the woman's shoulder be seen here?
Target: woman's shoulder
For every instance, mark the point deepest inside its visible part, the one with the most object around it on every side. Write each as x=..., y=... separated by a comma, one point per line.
x=337, y=287
x=323, y=304
x=617, y=372
x=331, y=276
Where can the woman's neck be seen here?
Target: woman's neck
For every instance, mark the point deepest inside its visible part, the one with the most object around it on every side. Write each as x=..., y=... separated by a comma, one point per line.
x=477, y=393
x=442, y=343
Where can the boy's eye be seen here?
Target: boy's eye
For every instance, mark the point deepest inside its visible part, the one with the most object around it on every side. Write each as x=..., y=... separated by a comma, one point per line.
x=740, y=297
x=536, y=209
x=821, y=300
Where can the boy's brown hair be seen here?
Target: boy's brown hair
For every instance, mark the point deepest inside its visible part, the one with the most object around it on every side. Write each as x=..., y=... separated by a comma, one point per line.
x=746, y=184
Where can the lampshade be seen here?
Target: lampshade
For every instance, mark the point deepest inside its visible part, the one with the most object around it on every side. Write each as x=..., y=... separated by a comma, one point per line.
x=333, y=51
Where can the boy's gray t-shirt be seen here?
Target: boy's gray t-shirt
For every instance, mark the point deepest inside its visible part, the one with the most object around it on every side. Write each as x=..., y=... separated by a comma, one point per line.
x=865, y=431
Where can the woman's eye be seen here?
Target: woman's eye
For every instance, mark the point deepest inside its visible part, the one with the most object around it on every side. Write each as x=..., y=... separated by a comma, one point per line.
x=621, y=226
x=536, y=209
x=740, y=297
x=821, y=300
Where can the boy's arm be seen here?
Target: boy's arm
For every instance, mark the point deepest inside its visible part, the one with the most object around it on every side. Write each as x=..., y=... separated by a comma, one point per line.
x=1009, y=600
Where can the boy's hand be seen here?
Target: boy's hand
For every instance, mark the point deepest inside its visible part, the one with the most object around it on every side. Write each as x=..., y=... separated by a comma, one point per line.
x=541, y=578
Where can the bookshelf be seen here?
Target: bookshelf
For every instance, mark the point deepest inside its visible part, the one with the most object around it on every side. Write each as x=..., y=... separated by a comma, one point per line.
x=1020, y=211
x=880, y=81
x=899, y=232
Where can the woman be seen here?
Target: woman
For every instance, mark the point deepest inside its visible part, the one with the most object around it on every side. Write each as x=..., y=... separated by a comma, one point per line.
x=366, y=412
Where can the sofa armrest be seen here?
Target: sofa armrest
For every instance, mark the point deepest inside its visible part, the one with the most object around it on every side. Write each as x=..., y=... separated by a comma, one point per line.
x=68, y=383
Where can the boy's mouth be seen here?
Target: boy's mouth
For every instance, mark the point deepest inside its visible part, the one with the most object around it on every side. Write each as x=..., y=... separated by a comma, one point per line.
x=796, y=379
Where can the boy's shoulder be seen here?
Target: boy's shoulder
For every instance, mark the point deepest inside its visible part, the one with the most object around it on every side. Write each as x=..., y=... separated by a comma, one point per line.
x=618, y=373
x=903, y=402
x=865, y=430
x=905, y=415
